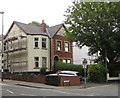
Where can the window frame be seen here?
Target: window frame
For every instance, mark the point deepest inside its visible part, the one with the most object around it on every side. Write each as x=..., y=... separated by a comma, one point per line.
x=36, y=42
x=66, y=60
x=57, y=45
x=44, y=43
x=44, y=63
x=68, y=47
x=36, y=61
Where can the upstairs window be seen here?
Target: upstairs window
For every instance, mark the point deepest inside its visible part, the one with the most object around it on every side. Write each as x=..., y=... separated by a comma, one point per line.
x=43, y=42
x=59, y=45
x=36, y=60
x=36, y=42
x=66, y=47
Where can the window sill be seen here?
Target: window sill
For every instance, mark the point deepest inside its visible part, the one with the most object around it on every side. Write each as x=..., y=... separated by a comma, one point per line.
x=67, y=51
x=44, y=48
x=36, y=67
x=36, y=48
x=59, y=50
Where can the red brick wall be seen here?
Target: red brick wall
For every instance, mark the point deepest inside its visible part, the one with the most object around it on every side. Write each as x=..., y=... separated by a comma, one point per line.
x=27, y=78
x=62, y=53
x=73, y=81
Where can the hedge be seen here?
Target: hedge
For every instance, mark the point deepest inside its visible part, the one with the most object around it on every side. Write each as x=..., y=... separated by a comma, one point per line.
x=68, y=66
x=114, y=69
x=97, y=73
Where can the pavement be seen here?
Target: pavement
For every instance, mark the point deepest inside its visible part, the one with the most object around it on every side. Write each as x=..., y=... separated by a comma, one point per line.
x=44, y=86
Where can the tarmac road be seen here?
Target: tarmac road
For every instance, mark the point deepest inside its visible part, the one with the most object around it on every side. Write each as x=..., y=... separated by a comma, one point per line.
x=14, y=90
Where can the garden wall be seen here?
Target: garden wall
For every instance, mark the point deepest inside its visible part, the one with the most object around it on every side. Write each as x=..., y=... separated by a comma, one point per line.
x=27, y=78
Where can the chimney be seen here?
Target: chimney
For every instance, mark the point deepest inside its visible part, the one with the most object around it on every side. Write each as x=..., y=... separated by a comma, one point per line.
x=43, y=26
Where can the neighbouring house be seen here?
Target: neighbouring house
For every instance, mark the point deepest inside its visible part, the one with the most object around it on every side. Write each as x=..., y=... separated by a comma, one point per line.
x=80, y=54
x=27, y=47
x=0, y=52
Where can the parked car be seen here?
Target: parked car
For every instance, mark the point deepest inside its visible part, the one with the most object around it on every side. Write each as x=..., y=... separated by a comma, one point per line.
x=65, y=73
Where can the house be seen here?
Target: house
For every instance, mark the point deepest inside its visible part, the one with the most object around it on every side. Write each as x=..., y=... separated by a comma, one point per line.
x=0, y=52
x=80, y=54
x=27, y=48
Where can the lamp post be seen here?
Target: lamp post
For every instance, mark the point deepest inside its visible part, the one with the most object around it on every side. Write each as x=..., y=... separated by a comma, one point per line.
x=2, y=43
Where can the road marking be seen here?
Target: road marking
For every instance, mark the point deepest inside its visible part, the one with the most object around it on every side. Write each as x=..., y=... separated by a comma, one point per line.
x=2, y=84
x=28, y=95
x=78, y=94
x=10, y=91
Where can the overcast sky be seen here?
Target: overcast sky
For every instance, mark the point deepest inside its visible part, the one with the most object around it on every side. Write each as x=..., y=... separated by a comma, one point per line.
x=25, y=11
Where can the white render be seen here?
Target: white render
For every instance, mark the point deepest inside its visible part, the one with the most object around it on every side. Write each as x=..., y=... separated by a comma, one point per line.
x=37, y=52
x=14, y=63
x=80, y=54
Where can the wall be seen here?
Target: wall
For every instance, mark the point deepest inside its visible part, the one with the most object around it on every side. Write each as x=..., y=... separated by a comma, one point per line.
x=69, y=81
x=61, y=54
x=32, y=52
x=16, y=59
x=0, y=53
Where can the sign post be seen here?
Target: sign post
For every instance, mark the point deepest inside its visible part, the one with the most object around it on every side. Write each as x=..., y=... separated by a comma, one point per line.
x=85, y=67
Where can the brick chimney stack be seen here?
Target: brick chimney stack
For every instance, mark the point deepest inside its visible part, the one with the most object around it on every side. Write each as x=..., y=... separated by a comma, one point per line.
x=43, y=26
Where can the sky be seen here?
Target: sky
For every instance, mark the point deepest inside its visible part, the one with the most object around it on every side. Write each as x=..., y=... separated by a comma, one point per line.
x=25, y=11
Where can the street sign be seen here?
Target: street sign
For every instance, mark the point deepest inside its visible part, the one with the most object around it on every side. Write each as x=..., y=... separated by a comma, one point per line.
x=84, y=62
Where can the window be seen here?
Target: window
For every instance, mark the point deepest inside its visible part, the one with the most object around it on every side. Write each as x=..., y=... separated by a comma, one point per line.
x=11, y=45
x=43, y=42
x=44, y=61
x=59, y=45
x=36, y=42
x=66, y=61
x=66, y=46
x=4, y=46
x=36, y=60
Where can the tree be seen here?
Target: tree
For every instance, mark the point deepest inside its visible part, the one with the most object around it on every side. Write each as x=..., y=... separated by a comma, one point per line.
x=36, y=23
x=96, y=25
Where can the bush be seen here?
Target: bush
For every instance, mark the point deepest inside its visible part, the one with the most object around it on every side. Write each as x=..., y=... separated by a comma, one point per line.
x=114, y=69
x=43, y=70
x=97, y=73
x=68, y=66
x=53, y=80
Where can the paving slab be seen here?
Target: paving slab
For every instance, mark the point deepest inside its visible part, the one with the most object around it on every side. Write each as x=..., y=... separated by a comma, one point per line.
x=40, y=85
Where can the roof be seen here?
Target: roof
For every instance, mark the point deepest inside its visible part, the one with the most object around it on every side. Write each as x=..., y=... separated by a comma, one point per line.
x=54, y=29
x=36, y=30
x=30, y=29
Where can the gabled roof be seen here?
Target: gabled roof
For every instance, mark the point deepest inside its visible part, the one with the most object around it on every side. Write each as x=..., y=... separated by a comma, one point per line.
x=54, y=29
x=30, y=29
x=36, y=30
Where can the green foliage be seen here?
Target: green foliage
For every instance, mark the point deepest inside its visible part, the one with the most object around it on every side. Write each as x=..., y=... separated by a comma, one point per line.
x=96, y=25
x=97, y=73
x=68, y=66
x=53, y=80
x=43, y=70
x=114, y=69
x=36, y=23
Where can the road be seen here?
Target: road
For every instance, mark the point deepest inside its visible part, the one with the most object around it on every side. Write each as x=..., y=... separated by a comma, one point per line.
x=14, y=90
